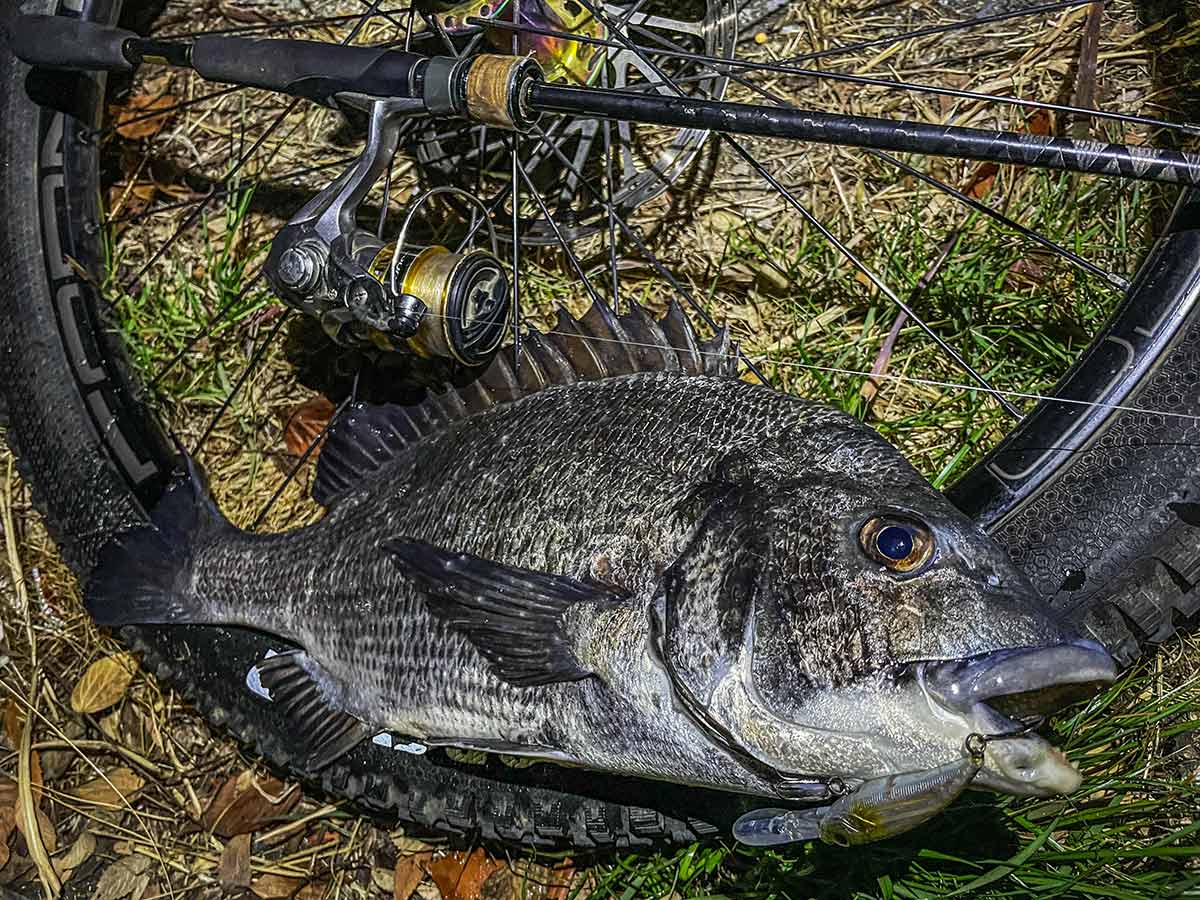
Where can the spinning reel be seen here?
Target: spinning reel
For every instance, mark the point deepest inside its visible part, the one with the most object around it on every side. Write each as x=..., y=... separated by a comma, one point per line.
x=428, y=301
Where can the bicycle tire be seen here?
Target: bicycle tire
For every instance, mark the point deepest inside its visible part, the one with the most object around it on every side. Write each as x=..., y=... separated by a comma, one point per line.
x=96, y=461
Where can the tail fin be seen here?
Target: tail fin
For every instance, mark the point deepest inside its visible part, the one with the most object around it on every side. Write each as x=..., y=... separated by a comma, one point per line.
x=142, y=576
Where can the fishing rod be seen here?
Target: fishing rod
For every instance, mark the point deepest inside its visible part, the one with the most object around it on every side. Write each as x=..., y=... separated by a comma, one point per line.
x=510, y=92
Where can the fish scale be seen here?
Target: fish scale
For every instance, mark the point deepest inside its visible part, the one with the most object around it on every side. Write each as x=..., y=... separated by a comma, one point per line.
x=654, y=572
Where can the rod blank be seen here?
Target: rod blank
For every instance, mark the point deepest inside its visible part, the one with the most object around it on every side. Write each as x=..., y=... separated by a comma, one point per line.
x=1088, y=157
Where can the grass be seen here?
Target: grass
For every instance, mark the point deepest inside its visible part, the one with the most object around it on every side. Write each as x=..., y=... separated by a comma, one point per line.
x=1018, y=315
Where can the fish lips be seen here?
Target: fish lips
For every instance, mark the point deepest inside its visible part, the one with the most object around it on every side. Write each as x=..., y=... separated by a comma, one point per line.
x=1024, y=682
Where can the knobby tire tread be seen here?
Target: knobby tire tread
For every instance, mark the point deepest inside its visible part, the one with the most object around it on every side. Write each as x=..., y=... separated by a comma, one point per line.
x=61, y=454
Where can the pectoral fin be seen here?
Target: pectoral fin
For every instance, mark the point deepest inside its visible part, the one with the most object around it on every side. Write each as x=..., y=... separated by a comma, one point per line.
x=513, y=616
x=293, y=682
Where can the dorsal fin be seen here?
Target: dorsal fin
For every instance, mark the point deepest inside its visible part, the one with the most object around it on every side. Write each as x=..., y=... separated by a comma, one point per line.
x=600, y=344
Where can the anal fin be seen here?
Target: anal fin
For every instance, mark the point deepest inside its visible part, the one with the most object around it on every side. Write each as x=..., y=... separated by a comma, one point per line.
x=512, y=616
x=289, y=677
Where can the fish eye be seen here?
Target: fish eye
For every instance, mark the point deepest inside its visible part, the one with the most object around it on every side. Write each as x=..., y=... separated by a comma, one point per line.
x=901, y=545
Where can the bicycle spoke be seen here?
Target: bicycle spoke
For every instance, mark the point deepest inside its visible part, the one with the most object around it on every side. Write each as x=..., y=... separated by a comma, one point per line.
x=845, y=251
x=572, y=257
x=102, y=133
x=299, y=464
x=608, y=201
x=384, y=14
x=209, y=328
x=977, y=22
x=256, y=359
x=268, y=27
x=663, y=272
x=722, y=67
x=1075, y=259
x=516, y=249
x=870, y=274
x=492, y=208
x=228, y=307
x=191, y=217
x=1070, y=256
x=216, y=193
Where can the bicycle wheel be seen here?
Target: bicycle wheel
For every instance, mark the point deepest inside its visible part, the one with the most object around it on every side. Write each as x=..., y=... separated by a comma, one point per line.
x=1093, y=491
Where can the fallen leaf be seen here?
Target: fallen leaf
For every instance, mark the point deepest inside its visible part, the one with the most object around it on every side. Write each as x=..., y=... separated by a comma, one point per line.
x=407, y=846
x=74, y=856
x=127, y=876
x=234, y=870
x=104, y=683
x=272, y=887
x=982, y=180
x=14, y=722
x=45, y=828
x=244, y=13
x=244, y=804
x=1040, y=122
x=461, y=877
x=125, y=201
x=410, y=871
x=35, y=775
x=8, y=822
x=564, y=874
x=1027, y=271
x=303, y=424
x=136, y=119
x=500, y=885
x=121, y=784
x=383, y=879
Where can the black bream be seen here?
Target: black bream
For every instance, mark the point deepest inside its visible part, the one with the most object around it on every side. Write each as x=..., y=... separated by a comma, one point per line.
x=629, y=559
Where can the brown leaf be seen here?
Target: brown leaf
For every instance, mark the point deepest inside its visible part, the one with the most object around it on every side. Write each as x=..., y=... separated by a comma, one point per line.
x=137, y=119
x=14, y=722
x=303, y=424
x=272, y=887
x=45, y=828
x=410, y=871
x=74, y=856
x=35, y=776
x=104, y=683
x=461, y=877
x=1041, y=122
x=500, y=885
x=124, y=784
x=244, y=804
x=246, y=13
x=8, y=823
x=234, y=871
x=125, y=877
x=981, y=182
x=564, y=874
x=1025, y=269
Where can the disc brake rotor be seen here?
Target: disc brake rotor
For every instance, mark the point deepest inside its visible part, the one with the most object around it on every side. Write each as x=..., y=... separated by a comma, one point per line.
x=645, y=160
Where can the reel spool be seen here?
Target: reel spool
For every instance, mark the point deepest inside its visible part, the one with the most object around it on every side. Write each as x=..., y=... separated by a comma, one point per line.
x=462, y=301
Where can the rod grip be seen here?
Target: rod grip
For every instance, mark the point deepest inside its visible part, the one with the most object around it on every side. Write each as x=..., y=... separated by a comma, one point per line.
x=58, y=42
x=309, y=69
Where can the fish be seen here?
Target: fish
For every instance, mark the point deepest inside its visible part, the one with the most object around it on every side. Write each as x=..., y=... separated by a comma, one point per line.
x=620, y=555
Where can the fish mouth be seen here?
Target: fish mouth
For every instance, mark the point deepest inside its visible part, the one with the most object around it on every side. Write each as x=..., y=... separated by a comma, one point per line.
x=1021, y=683
x=998, y=693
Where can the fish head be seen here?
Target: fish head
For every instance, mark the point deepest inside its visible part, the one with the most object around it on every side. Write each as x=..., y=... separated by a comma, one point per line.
x=858, y=624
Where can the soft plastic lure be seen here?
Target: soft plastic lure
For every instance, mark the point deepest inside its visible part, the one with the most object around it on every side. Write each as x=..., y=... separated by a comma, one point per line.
x=877, y=809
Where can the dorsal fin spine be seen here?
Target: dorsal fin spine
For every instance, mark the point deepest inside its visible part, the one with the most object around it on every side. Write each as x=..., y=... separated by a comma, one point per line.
x=600, y=344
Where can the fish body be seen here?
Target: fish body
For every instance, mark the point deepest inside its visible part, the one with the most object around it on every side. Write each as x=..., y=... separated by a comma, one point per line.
x=670, y=574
